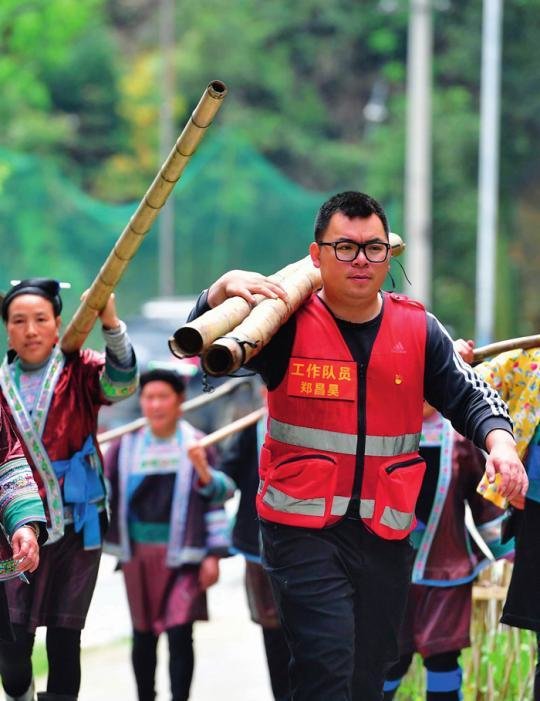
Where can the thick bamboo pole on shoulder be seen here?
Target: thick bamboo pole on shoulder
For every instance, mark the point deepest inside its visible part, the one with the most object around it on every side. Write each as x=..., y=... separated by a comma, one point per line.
x=525, y=342
x=229, y=352
x=141, y=222
x=236, y=348
x=196, y=336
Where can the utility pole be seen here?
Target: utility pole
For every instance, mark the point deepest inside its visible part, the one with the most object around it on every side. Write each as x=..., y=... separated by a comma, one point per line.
x=166, y=256
x=418, y=211
x=488, y=171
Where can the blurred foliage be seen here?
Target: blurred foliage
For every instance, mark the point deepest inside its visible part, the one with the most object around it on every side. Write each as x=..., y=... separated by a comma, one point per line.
x=51, y=227
x=81, y=82
x=57, y=79
x=499, y=667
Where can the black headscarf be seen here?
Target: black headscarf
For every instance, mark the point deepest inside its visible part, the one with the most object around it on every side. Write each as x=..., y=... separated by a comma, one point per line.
x=42, y=286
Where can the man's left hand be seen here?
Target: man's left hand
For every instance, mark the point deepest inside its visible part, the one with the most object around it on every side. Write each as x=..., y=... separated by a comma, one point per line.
x=504, y=460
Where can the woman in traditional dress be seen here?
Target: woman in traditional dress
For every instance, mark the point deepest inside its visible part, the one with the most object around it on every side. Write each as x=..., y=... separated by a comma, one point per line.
x=168, y=529
x=54, y=399
x=447, y=559
x=241, y=463
x=21, y=515
x=516, y=376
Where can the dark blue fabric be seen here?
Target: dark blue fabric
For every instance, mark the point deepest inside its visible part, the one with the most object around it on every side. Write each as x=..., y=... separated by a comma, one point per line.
x=241, y=463
x=277, y=657
x=82, y=489
x=444, y=681
x=532, y=465
x=522, y=606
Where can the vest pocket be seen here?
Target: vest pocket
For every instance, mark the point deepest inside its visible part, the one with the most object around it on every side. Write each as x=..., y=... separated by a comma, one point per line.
x=398, y=486
x=299, y=484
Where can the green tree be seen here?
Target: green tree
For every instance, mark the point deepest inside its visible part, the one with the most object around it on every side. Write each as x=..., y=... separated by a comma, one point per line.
x=81, y=78
x=58, y=81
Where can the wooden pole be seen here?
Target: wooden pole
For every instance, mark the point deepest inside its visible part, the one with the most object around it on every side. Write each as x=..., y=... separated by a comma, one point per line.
x=189, y=405
x=196, y=336
x=234, y=427
x=491, y=349
x=141, y=222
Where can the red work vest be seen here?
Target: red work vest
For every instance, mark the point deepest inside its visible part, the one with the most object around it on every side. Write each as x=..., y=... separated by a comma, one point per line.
x=308, y=460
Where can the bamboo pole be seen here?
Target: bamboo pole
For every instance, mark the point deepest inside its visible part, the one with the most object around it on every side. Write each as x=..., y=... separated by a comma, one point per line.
x=234, y=427
x=508, y=673
x=245, y=338
x=192, y=338
x=524, y=342
x=187, y=406
x=196, y=336
x=141, y=222
x=231, y=351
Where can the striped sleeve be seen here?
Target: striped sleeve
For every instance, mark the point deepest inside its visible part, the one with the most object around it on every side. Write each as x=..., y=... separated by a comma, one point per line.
x=119, y=378
x=20, y=502
x=458, y=392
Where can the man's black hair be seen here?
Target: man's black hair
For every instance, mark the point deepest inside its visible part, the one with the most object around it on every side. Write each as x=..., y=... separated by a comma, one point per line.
x=352, y=204
x=171, y=377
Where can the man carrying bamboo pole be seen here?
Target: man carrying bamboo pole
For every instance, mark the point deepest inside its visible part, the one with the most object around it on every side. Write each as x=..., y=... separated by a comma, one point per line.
x=54, y=398
x=166, y=531
x=340, y=471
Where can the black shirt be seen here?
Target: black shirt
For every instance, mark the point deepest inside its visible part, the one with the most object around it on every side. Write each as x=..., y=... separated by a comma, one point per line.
x=450, y=384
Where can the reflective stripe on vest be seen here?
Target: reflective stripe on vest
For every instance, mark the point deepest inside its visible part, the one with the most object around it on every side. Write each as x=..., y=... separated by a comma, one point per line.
x=367, y=508
x=339, y=506
x=331, y=441
x=335, y=442
x=398, y=520
x=278, y=500
x=386, y=446
x=392, y=518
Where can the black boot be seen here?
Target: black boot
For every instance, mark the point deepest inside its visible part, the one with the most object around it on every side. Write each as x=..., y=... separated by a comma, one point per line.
x=49, y=696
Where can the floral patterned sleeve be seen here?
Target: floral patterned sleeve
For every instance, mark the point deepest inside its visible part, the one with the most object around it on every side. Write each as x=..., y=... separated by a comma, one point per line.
x=516, y=377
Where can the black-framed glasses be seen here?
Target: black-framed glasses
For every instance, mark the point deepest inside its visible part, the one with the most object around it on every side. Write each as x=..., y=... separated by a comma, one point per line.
x=347, y=251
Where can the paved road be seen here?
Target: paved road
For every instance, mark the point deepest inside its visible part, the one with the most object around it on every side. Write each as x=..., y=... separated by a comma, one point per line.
x=229, y=662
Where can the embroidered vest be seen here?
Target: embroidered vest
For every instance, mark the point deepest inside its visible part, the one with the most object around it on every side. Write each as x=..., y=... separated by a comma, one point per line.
x=130, y=463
